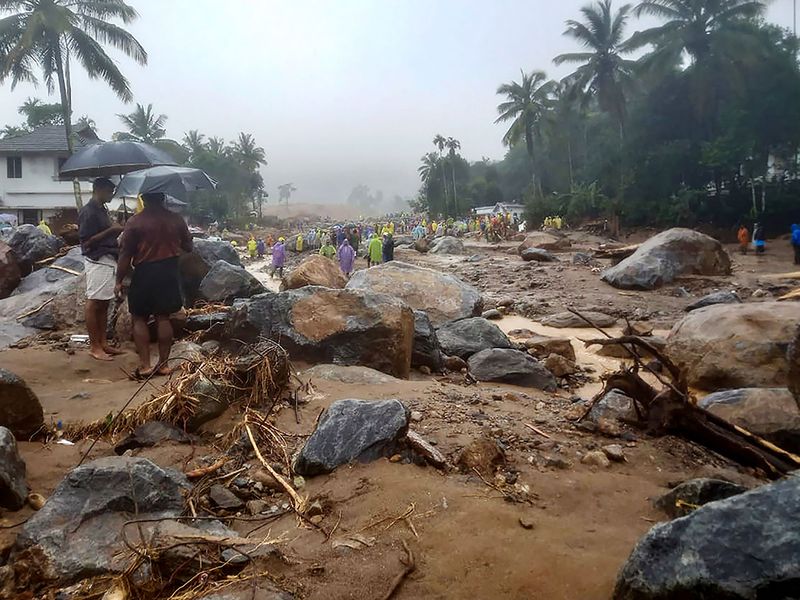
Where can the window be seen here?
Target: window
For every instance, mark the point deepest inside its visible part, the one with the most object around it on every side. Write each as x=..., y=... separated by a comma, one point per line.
x=31, y=216
x=14, y=167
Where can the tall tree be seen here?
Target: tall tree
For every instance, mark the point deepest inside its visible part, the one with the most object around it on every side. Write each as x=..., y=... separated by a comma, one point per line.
x=194, y=142
x=440, y=142
x=46, y=34
x=38, y=114
x=250, y=154
x=526, y=103
x=285, y=192
x=453, y=146
x=143, y=125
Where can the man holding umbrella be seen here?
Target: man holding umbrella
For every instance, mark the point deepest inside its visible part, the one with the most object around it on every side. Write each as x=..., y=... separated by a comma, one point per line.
x=151, y=244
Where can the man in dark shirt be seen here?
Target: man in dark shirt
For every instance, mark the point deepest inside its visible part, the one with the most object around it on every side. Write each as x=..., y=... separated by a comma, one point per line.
x=98, y=237
x=151, y=244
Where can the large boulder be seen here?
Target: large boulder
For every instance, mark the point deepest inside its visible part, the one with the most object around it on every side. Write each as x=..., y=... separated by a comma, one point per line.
x=193, y=269
x=30, y=245
x=78, y=532
x=544, y=241
x=13, y=488
x=542, y=346
x=351, y=430
x=537, y=255
x=793, y=358
x=744, y=547
x=353, y=374
x=687, y=496
x=20, y=410
x=564, y=320
x=66, y=309
x=666, y=256
x=728, y=346
x=10, y=273
x=316, y=270
x=53, y=277
x=771, y=413
x=466, y=337
x=443, y=297
x=426, y=351
x=510, y=366
x=225, y=282
x=447, y=245
x=723, y=297
x=211, y=252
x=347, y=327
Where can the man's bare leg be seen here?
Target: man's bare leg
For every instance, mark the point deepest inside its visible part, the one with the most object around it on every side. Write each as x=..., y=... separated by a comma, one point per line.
x=107, y=348
x=141, y=338
x=96, y=319
x=165, y=336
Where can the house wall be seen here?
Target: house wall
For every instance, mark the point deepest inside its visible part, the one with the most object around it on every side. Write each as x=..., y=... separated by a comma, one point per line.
x=38, y=189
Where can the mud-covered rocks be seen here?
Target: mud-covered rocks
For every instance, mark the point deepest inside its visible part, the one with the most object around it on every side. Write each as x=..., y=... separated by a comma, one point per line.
x=353, y=430
x=426, y=351
x=447, y=245
x=537, y=255
x=212, y=251
x=443, y=297
x=30, y=244
x=226, y=282
x=567, y=319
x=78, y=532
x=316, y=270
x=723, y=297
x=13, y=488
x=744, y=547
x=771, y=413
x=729, y=346
x=353, y=375
x=510, y=366
x=482, y=454
x=613, y=406
x=20, y=410
x=687, y=496
x=540, y=346
x=544, y=241
x=10, y=273
x=666, y=256
x=346, y=327
x=151, y=434
x=466, y=337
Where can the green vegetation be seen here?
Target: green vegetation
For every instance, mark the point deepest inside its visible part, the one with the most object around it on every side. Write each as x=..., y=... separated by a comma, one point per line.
x=703, y=127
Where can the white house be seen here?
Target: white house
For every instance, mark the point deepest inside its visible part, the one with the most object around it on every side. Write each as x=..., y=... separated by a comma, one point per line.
x=517, y=210
x=29, y=183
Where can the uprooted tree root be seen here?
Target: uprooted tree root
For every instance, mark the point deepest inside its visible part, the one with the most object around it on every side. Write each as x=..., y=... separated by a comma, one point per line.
x=672, y=410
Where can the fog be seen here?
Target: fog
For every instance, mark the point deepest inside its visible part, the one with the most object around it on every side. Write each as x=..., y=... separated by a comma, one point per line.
x=338, y=92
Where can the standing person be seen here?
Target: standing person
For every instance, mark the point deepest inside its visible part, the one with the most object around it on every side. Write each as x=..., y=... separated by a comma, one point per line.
x=45, y=228
x=759, y=241
x=252, y=246
x=744, y=238
x=299, y=243
x=347, y=257
x=388, y=248
x=98, y=238
x=796, y=243
x=261, y=248
x=374, y=251
x=151, y=244
x=328, y=251
x=278, y=257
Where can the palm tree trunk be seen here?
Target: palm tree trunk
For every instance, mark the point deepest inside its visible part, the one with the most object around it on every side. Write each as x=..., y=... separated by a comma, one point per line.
x=455, y=194
x=64, y=88
x=444, y=185
x=569, y=158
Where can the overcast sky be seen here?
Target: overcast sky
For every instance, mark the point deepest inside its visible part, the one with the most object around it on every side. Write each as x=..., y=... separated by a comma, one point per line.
x=338, y=92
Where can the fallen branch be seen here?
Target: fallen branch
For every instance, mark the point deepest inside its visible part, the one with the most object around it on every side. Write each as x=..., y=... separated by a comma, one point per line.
x=203, y=471
x=35, y=310
x=298, y=502
x=537, y=430
x=410, y=566
x=65, y=269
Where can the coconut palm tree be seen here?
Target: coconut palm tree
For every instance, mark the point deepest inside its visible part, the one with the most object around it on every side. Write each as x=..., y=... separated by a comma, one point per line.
x=143, y=125
x=249, y=154
x=453, y=145
x=603, y=71
x=430, y=162
x=441, y=142
x=285, y=192
x=194, y=142
x=525, y=105
x=46, y=34
x=12, y=131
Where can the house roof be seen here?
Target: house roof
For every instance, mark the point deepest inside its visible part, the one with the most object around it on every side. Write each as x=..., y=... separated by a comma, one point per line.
x=50, y=138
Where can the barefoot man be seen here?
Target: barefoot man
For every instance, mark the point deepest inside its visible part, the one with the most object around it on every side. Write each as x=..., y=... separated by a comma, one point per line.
x=98, y=237
x=151, y=244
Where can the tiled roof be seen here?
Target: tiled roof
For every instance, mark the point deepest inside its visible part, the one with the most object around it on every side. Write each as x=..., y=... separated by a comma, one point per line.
x=51, y=138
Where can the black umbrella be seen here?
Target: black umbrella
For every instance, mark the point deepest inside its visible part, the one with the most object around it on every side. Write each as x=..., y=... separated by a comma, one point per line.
x=173, y=181
x=113, y=158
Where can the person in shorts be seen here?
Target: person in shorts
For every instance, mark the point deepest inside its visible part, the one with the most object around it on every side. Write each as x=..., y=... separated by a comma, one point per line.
x=98, y=237
x=151, y=244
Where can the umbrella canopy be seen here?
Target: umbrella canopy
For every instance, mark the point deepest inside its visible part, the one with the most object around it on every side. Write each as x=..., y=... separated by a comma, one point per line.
x=113, y=158
x=173, y=181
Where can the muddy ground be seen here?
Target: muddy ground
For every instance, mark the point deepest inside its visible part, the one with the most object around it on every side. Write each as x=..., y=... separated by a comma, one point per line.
x=567, y=529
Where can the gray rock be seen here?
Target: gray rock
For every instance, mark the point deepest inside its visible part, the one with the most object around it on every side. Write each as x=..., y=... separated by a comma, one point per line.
x=447, y=245
x=213, y=398
x=443, y=297
x=426, y=450
x=681, y=500
x=351, y=430
x=20, y=410
x=260, y=589
x=211, y=252
x=615, y=405
x=492, y=314
x=724, y=297
x=793, y=359
x=30, y=244
x=466, y=337
x=540, y=346
x=223, y=498
x=569, y=320
x=537, y=255
x=225, y=282
x=510, y=366
x=77, y=534
x=666, y=256
x=151, y=434
x=10, y=273
x=426, y=351
x=13, y=489
x=744, y=547
x=204, y=322
x=11, y=332
x=49, y=279
x=347, y=327
x=352, y=374
x=771, y=413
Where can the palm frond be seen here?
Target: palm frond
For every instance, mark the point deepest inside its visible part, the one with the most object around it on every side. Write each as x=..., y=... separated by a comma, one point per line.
x=98, y=64
x=111, y=34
